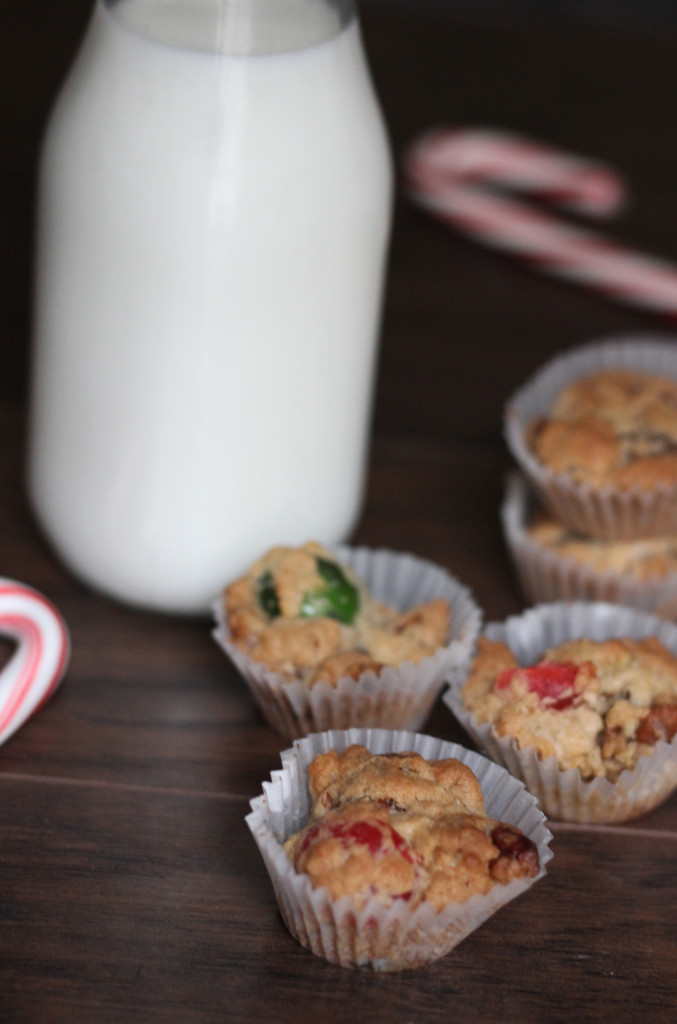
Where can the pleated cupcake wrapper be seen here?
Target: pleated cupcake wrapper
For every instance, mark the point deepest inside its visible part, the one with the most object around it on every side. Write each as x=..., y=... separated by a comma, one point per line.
x=607, y=513
x=545, y=575
x=381, y=938
x=565, y=795
x=399, y=697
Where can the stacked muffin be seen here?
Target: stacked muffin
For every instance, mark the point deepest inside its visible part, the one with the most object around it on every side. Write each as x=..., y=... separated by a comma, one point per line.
x=578, y=696
x=594, y=513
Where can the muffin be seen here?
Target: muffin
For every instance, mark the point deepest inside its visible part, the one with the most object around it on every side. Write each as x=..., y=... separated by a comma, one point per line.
x=352, y=637
x=596, y=432
x=611, y=428
x=381, y=848
x=597, y=706
x=395, y=826
x=303, y=615
x=556, y=562
x=580, y=701
x=644, y=559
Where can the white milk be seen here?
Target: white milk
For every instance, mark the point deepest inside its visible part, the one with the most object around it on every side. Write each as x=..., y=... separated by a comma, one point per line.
x=212, y=230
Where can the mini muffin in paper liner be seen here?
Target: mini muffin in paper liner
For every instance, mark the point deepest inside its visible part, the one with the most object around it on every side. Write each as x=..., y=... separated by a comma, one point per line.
x=565, y=795
x=382, y=938
x=399, y=697
x=546, y=575
x=608, y=513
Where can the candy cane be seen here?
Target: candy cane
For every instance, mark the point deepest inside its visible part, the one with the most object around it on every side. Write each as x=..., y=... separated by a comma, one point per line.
x=37, y=665
x=456, y=174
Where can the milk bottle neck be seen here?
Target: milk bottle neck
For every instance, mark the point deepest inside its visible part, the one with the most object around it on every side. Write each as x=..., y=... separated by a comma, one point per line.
x=235, y=27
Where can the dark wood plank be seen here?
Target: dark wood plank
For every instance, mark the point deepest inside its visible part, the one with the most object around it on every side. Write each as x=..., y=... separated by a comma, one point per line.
x=142, y=905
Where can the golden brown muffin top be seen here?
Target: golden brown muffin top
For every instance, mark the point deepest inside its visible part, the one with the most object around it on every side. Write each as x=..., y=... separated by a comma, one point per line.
x=595, y=706
x=301, y=613
x=396, y=826
x=612, y=428
x=645, y=558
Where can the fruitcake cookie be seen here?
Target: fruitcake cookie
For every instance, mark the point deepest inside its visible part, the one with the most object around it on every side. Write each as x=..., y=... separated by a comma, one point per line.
x=595, y=432
x=556, y=562
x=595, y=706
x=396, y=826
x=614, y=427
x=578, y=699
x=355, y=637
x=386, y=849
x=646, y=558
x=305, y=616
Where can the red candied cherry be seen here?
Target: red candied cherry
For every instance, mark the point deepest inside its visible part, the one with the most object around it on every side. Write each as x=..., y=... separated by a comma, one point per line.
x=553, y=682
x=348, y=853
x=364, y=833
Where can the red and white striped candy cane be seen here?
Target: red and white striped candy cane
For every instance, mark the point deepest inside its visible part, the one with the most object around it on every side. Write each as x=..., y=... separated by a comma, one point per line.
x=457, y=175
x=36, y=667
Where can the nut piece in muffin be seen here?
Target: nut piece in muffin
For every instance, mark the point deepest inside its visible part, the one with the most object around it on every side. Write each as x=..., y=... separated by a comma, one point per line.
x=398, y=827
x=595, y=706
x=644, y=559
x=302, y=614
x=615, y=427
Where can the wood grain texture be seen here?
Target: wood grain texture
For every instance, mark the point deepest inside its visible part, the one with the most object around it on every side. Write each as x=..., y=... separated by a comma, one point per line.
x=130, y=888
x=133, y=903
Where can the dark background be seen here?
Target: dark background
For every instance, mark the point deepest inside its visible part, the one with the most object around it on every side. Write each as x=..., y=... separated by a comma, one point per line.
x=620, y=42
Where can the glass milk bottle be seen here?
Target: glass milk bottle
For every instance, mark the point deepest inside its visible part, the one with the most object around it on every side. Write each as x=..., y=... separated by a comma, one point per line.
x=213, y=218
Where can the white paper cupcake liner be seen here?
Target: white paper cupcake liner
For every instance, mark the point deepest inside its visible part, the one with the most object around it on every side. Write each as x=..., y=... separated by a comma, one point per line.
x=565, y=795
x=399, y=697
x=607, y=513
x=383, y=939
x=545, y=575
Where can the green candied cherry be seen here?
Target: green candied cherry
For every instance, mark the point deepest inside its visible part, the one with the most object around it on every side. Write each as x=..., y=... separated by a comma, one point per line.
x=337, y=599
x=266, y=595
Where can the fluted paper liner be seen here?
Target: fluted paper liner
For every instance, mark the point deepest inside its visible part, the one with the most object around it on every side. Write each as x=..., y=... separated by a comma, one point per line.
x=546, y=575
x=608, y=513
x=383, y=939
x=399, y=697
x=565, y=795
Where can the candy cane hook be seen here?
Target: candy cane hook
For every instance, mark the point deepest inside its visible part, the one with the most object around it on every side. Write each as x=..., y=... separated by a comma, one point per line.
x=456, y=174
x=36, y=667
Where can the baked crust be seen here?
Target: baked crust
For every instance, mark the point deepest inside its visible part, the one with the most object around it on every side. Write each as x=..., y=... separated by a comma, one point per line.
x=612, y=428
x=645, y=558
x=301, y=644
x=595, y=706
x=396, y=826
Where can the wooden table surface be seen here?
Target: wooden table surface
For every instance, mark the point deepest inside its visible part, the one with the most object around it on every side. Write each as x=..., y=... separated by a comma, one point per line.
x=131, y=889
